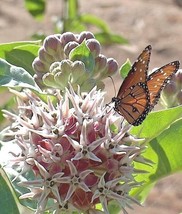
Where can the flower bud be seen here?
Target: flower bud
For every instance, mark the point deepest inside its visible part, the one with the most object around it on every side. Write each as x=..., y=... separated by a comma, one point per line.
x=57, y=48
x=67, y=37
x=94, y=47
x=179, y=97
x=100, y=66
x=54, y=66
x=45, y=57
x=79, y=74
x=52, y=44
x=69, y=47
x=49, y=80
x=85, y=35
x=170, y=89
x=38, y=66
x=179, y=78
x=112, y=66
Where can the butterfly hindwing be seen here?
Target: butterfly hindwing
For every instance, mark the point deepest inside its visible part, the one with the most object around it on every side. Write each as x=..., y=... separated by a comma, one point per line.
x=158, y=79
x=134, y=106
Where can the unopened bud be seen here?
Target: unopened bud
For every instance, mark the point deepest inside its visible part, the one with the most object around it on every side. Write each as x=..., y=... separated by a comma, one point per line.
x=100, y=65
x=52, y=44
x=179, y=97
x=67, y=37
x=85, y=35
x=170, y=89
x=179, y=78
x=79, y=74
x=94, y=47
x=38, y=66
x=69, y=47
x=54, y=66
x=45, y=57
x=112, y=66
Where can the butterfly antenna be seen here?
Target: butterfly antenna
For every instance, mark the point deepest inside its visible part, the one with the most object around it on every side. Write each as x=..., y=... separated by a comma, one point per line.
x=113, y=85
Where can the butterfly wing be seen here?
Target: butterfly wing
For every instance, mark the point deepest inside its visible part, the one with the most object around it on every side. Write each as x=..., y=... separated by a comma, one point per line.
x=158, y=79
x=134, y=105
x=138, y=72
x=132, y=101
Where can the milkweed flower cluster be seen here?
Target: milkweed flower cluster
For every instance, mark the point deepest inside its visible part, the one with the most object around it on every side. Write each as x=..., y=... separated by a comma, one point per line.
x=60, y=60
x=172, y=93
x=78, y=150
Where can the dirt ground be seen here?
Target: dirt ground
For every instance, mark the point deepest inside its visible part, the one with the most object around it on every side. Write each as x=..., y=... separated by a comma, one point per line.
x=142, y=22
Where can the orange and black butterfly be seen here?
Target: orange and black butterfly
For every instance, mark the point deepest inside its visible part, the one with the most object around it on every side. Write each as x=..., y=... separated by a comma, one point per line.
x=139, y=93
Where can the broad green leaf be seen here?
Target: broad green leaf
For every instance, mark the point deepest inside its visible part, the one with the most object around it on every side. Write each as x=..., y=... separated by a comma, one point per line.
x=12, y=76
x=165, y=152
x=125, y=68
x=94, y=20
x=7, y=47
x=83, y=53
x=23, y=56
x=8, y=200
x=20, y=54
x=36, y=8
x=108, y=38
x=156, y=122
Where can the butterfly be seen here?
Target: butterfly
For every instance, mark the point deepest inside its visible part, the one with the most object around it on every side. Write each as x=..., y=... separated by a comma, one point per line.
x=139, y=93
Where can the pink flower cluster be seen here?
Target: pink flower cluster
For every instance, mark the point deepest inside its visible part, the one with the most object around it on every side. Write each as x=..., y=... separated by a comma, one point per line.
x=78, y=149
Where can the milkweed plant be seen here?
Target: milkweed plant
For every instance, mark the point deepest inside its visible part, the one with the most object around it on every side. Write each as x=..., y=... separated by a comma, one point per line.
x=65, y=150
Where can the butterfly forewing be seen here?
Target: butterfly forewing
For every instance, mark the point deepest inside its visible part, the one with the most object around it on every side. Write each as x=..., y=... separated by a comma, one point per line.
x=158, y=79
x=138, y=72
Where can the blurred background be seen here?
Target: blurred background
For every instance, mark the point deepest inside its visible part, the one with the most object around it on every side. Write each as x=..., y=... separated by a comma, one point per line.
x=141, y=22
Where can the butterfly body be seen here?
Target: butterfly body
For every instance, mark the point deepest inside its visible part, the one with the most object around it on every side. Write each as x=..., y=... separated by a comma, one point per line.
x=139, y=93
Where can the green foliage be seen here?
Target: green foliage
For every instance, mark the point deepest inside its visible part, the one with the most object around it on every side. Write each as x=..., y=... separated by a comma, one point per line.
x=72, y=20
x=125, y=68
x=13, y=76
x=83, y=54
x=20, y=53
x=36, y=8
x=8, y=200
x=162, y=131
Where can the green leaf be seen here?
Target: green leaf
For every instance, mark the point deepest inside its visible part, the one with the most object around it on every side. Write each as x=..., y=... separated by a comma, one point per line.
x=36, y=8
x=23, y=56
x=165, y=152
x=12, y=76
x=20, y=53
x=108, y=38
x=7, y=47
x=8, y=200
x=156, y=122
x=163, y=147
x=125, y=68
x=83, y=54
x=94, y=20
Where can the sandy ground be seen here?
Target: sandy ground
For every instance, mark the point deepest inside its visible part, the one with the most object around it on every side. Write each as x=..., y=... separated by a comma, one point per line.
x=142, y=22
